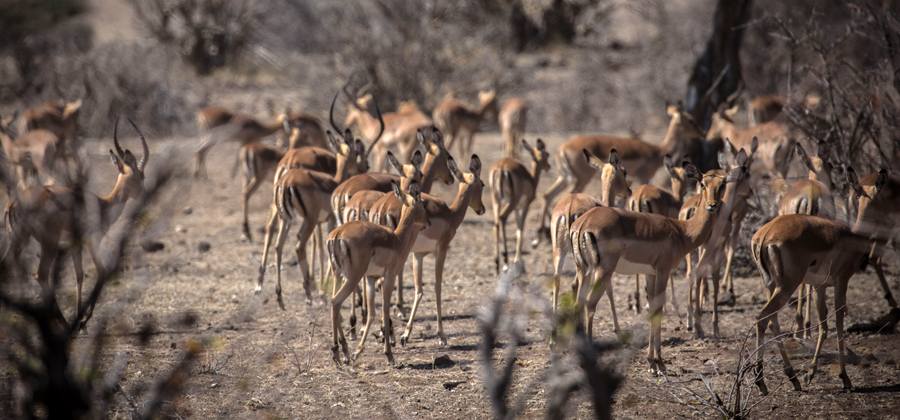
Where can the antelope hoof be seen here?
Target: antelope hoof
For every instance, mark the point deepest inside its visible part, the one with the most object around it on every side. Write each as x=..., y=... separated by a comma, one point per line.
x=806, y=378
x=404, y=339
x=442, y=340
x=257, y=289
x=280, y=303
x=355, y=356
x=390, y=358
x=846, y=380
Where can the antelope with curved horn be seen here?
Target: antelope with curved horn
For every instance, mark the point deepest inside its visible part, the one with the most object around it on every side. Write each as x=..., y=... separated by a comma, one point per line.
x=797, y=249
x=513, y=189
x=885, y=217
x=53, y=213
x=309, y=131
x=461, y=122
x=445, y=220
x=607, y=240
x=641, y=159
x=573, y=206
x=361, y=248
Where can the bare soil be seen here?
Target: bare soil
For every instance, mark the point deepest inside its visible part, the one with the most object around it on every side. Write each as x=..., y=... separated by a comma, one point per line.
x=255, y=360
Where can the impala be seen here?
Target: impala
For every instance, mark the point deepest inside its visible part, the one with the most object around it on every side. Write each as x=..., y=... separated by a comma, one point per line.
x=309, y=131
x=765, y=108
x=640, y=159
x=361, y=248
x=607, y=240
x=512, y=121
x=813, y=197
x=53, y=213
x=796, y=249
x=444, y=221
x=34, y=154
x=460, y=122
x=513, y=188
x=216, y=126
x=59, y=118
x=573, y=206
x=776, y=143
x=400, y=127
x=886, y=216
x=649, y=198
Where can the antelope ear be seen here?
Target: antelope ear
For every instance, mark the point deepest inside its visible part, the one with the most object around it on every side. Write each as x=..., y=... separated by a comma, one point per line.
x=691, y=171
x=437, y=137
x=754, y=144
x=671, y=109
x=803, y=157
x=723, y=160
x=881, y=180
x=730, y=112
x=393, y=161
x=451, y=164
x=348, y=137
x=670, y=166
x=614, y=158
x=540, y=145
x=332, y=143
x=475, y=166
x=414, y=191
x=728, y=146
x=592, y=160
x=396, y=189
x=117, y=162
x=854, y=181
x=735, y=174
x=420, y=136
x=741, y=158
x=360, y=147
x=417, y=160
x=526, y=146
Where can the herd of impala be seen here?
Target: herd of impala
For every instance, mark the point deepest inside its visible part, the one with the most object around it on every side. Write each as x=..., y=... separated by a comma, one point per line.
x=375, y=220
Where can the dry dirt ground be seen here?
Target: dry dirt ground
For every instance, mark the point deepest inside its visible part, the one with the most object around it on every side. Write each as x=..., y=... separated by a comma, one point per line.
x=262, y=362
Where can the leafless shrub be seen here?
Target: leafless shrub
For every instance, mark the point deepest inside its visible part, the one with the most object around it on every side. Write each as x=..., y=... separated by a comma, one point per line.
x=209, y=33
x=580, y=370
x=52, y=374
x=303, y=362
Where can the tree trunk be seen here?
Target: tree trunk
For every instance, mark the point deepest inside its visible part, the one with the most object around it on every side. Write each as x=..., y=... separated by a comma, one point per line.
x=717, y=73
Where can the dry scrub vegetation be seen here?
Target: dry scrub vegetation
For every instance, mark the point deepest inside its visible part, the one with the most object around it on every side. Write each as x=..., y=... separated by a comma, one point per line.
x=178, y=332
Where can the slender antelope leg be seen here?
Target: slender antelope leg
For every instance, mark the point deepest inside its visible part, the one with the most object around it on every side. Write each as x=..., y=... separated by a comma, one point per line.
x=417, y=266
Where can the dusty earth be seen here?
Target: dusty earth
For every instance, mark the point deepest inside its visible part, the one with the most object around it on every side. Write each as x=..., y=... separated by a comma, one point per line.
x=262, y=362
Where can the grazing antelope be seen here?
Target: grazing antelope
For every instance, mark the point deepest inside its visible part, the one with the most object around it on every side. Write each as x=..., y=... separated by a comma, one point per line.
x=607, y=240
x=460, y=122
x=53, y=213
x=444, y=220
x=434, y=166
x=796, y=249
x=34, y=154
x=513, y=189
x=813, y=197
x=400, y=127
x=573, y=206
x=362, y=248
x=59, y=118
x=240, y=128
x=512, y=121
x=776, y=143
x=641, y=159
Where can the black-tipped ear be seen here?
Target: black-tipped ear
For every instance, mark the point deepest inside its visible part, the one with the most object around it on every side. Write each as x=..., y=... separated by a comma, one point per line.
x=526, y=146
x=754, y=144
x=540, y=145
x=414, y=190
x=437, y=137
x=360, y=147
x=396, y=189
x=116, y=161
x=850, y=174
x=723, y=159
x=475, y=166
x=417, y=160
x=881, y=180
x=669, y=164
x=592, y=160
x=420, y=136
x=348, y=137
x=451, y=165
x=741, y=158
x=803, y=157
x=691, y=171
x=614, y=158
x=393, y=161
x=332, y=143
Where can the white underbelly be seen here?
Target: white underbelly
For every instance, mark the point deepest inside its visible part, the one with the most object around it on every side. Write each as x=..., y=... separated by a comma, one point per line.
x=424, y=244
x=374, y=269
x=627, y=267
